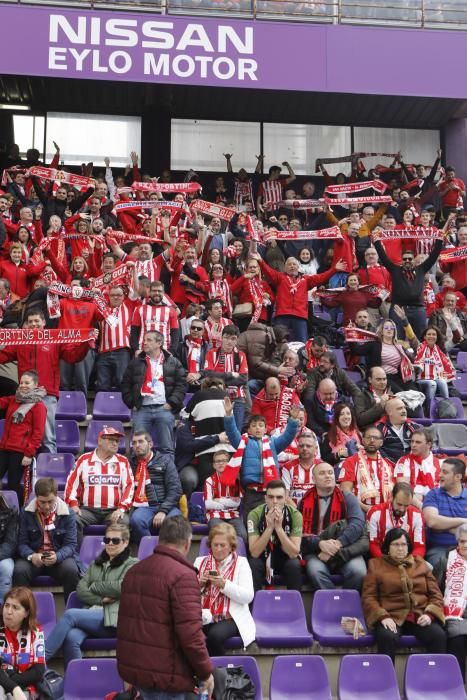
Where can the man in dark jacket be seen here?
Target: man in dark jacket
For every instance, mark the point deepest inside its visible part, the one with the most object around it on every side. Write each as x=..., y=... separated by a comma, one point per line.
x=264, y=347
x=370, y=405
x=397, y=430
x=327, y=368
x=161, y=648
x=192, y=354
x=154, y=386
x=47, y=544
x=157, y=487
x=187, y=446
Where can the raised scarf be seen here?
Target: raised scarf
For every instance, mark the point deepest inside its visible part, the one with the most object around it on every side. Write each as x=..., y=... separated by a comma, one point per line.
x=284, y=404
x=268, y=469
x=212, y=597
x=194, y=354
x=219, y=289
x=58, y=289
x=352, y=158
x=274, y=234
x=337, y=510
x=435, y=357
x=224, y=213
x=166, y=187
x=349, y=187
x=455, y=593
x=256, y=292
x=142, y=479
x=27, y=400
x=61, y=176
x=359, y=335
x=367, y=488
x=421, y=233
x=453, y=254
x=51, y=336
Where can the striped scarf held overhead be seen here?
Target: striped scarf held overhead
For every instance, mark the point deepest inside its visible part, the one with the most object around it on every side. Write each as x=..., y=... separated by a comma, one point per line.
x=219, y=289
x=267, y=464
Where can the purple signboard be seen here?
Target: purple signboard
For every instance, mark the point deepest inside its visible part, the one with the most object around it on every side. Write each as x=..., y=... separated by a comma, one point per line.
x=234, y=53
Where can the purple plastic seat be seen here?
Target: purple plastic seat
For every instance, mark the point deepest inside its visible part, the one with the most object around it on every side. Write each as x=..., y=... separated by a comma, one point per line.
x=187, y=399
x=326, y=613
x=433, y=677
x=460, y=383
x=67, y=432
x=341, y=361
x=93, y=430
x=417, y=416
x=46, y=613
x=298, y=677
x=197, y=499
x=450, y=438
x=71, y=404
x=108, y=405
x=11, y=497
x=91, y=547
x=323, y=315
x=233, y=643
x=367, y=677
x=354, y=377
x=249, y=665
x=203, y=546
x=146, y=546
x=95, y=530
x=56, y=466
x=91, y=679
x=455, y=401
x=280, y=619
x=2, y=426
x=91, y=643
x=461, y=361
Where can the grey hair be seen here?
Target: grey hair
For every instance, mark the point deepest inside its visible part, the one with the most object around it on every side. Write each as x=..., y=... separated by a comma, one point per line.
x=461, y=530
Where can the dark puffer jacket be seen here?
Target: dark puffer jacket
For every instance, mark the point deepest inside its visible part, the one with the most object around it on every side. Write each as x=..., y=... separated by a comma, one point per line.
x=165, y=488
x=174, y=381
x=263, y=352
x=160, y=639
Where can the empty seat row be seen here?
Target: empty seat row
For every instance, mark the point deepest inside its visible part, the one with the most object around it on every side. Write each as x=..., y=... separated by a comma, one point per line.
x=303, y=677
x=108, y=405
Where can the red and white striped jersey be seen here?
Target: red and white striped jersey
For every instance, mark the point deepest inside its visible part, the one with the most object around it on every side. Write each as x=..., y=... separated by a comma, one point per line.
x=221, y=501
x=152, y=317
x=150, y=268
x=381, y=519
x=422, y=476
x=243, y=195
x=271, y=191
x=119, y=336
x=96, y=484
x=297, y=480
x=213, y=331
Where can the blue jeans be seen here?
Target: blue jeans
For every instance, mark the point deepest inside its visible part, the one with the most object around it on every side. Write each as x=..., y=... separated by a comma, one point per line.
x=75, y=625
x=141, y=521
x=298, y=327
x=151, y=694
x=49, y=441
x=6, y=575
x=416, y=316
x=159, y=422
x=431, y=387
x=353, y=572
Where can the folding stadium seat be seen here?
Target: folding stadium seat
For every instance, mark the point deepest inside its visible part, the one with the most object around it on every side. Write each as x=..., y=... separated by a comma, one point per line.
x=323, y=315
x=93, y=430
x=455, y=401
x=354, y=377
x=461, y=361
x=326, y=613
x=341, y=361
x=280, y=619
x=460, y=383
x=197, y=499
x=433, y=677
x=71, y=404
x=108, y=405
x=450, y=438
x=187, y=399
x=367, y=677
x=56, y=466
x=298, y=677
x=11, y=497
x=67, y=432
x=146, y=546
x=91, y=643
x=91, y=547
x=203, y=547
x=249, y=665
x=91, y=679
x=46, y=610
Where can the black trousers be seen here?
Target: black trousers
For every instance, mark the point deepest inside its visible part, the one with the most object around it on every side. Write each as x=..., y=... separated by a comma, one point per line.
x=10, y=462
x=216, y=634
x=290, y=569
x=458, y=647
x=65, y=573
x=433, y=637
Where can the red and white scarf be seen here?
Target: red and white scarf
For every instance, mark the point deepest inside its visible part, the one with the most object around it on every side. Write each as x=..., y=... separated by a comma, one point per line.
x=352, y=157
x=194, y=354
x=433, y=363
x=430, y=233
x=284, y=404
x=38, y=336
x=366, y=486
x=121, y=275
x=268, y=466
x=224, y=213
x=453, y=254
x=274, y=234
x=21, y=650
x=166, y=187
x=58, y=289
x=349, y=187
x=219, y=289
x=342, y=438
x=60, y=176
x=142, y=479
x=455, y=593
x=371, y=199
x=256, y=292
x=359, y=335
x=212, y=597
x=151, y=377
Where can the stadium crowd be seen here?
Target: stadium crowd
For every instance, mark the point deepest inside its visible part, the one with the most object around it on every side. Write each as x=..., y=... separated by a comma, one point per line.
x=276, y=339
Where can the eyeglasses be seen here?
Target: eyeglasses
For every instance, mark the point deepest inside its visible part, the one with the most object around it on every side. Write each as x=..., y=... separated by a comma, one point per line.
x=408, y=259
x=217, y=267
x=197, y=328
x=112, y=540
x=388, y=327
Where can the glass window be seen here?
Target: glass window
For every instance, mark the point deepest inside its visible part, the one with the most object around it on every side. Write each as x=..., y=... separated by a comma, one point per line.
x=29, y=132
x=302, y=144
x=92, y=137
x=200, y=144
x=416, y=145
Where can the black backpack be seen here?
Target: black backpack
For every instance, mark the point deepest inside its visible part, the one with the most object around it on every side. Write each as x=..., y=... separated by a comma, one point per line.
x=232, y=683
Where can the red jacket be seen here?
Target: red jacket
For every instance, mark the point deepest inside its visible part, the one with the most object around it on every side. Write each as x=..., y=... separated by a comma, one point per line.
x=457, y=270
x=45, y=359
x=241, y=289
x=292, y=293
x=20, y=276
x=181, y=293
x=160, y=639
x=269, y=409
x=25, y=437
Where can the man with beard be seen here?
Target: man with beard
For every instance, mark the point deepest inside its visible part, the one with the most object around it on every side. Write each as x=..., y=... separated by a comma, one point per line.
x=420, y=468
x=399, y=512
x=297, y=474
x=156, y=315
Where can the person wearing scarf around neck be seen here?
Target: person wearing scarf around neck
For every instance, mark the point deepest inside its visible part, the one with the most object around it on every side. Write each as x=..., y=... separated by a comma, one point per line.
x=343, y=437
x=252, y=289
x=400, y=596
x=21, y=646
x=226, y=586
x=436, y=369
x=23, y=431
x=220, y=289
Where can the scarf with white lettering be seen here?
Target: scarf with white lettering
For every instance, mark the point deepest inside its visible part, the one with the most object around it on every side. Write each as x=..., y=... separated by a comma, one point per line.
x=166, y=187
x=267, y=464
x=61, y=176
x=224, y=213
x=274, y=234
x=366, y=486
x=455, y=593
x=359, y=335
x=349, y=187
x=21, y=650
x=58, y=289
x=256, y=291
x=453, y=254
x=421, y=233
x=433, y=363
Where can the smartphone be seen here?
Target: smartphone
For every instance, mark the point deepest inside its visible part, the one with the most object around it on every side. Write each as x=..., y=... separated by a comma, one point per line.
x=212, y=573
x=45, y=555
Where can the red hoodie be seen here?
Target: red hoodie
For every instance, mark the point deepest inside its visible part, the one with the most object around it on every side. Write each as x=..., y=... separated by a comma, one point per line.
x=24, y=437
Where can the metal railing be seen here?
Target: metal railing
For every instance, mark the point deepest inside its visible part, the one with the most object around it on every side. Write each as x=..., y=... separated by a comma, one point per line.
x=434, y=14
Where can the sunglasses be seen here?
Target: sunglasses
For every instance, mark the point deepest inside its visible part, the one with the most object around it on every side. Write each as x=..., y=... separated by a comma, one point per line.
x=407, y=259
x=197, y=328
x=112, y=540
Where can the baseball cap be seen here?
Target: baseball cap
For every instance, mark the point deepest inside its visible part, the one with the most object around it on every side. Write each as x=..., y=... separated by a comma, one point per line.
x=108, y=431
